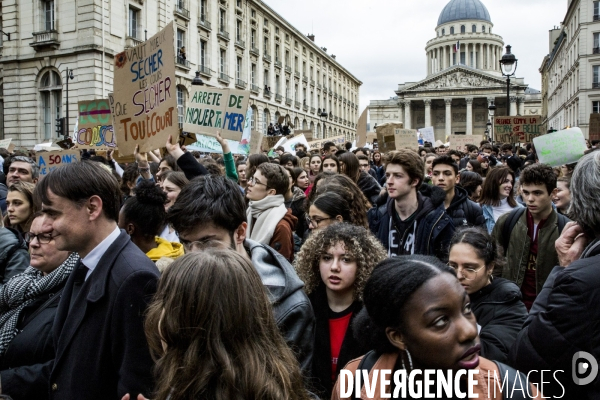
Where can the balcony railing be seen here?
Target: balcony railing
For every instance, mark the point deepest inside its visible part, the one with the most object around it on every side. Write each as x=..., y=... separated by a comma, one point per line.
x=223, y=34
x=240, y=84
x=596, y=50
x=277, y=63
x=312, y=82
x=204, y=70
x=305, y=79
x=132, y=42
x=278, y=97
x=596, y=17
x=325, y=90
x=297, y=104
x=288, y=69
x=305, y=107
x=297, y=74
x=267, y=58
x=182, y=11
x=45, y=39
x=595, y=85
x=182, y=62
x=319, y=86
x=267, y=93
x=203, y=23
x=241, y=44
x=288, y=101
x=312, y=110
x=254, y=50
x=254, y=89
x=223, y=77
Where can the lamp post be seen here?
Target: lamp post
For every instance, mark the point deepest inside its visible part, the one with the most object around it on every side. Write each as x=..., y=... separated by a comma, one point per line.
x=508, y=64
x=66, y=128
x=323, y=115
x=197, y=81
x=490, y=124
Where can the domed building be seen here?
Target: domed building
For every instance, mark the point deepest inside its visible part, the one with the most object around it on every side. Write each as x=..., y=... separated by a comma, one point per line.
x=463, y=78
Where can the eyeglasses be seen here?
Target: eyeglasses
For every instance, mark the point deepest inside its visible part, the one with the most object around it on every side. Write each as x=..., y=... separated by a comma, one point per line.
x=252, y=181
x=468, y=273
x=315, y=222
x=43, y=238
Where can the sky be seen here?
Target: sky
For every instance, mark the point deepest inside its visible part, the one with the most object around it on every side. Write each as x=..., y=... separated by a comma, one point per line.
x=382, y=42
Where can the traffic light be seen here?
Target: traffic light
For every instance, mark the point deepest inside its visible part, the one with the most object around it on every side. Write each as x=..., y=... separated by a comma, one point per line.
x=59, y=127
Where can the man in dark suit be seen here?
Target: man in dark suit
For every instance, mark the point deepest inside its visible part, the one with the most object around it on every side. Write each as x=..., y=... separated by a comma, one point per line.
x=101, y=349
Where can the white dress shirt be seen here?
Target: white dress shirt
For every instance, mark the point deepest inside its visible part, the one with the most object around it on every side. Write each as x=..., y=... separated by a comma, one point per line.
x=94, y=256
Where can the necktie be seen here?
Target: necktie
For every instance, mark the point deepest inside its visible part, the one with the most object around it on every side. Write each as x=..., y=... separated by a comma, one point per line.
x=80, y=274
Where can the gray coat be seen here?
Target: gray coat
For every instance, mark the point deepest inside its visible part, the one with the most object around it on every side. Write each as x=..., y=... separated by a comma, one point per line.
x=14, y=257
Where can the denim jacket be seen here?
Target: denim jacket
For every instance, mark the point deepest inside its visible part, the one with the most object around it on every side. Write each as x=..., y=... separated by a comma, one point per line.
x=488, y=214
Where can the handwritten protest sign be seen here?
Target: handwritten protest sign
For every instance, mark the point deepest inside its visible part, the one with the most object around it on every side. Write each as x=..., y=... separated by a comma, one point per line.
x=144, y=101
x=95, y=129
x=559, y=148
x=308, y=133
x=517, y=129
x=460, y=142
x=48, y=161
x=318, y=144
x=209, y=144
x=256, y=139
x=427, y=135
x=6, y=144
x=211, y=109
x=392, y=136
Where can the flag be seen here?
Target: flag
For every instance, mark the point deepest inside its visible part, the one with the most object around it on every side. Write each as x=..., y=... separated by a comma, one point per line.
x=457, y=47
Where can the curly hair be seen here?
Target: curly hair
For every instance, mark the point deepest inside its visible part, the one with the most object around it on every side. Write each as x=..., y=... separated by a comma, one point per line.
x=358, y=241
x=539, y=174
x=358, y=203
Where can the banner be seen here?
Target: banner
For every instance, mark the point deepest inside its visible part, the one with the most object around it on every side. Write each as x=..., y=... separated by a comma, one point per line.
x=94, y=126
x=517, y=129
x=144, y=101
x=560, y=148
x=318, y=144
x=361, y=128
x=291, y=143
x=47, y=161
x=211, y=109
x=460, y=142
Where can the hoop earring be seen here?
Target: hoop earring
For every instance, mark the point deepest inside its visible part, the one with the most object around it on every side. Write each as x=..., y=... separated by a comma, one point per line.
x=409, y=360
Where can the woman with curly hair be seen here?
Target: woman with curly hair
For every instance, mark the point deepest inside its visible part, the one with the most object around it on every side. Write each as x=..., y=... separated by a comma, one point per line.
x=235, y=351
x=335, y=264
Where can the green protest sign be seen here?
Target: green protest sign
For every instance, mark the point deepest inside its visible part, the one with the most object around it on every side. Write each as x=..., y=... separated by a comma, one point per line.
x=560, y=148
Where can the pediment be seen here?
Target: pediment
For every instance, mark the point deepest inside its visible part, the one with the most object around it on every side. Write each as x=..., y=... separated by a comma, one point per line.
x=456, y=78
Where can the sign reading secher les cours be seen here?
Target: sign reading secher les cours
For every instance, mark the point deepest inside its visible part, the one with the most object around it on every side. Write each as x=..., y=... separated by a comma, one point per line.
x=144, y=102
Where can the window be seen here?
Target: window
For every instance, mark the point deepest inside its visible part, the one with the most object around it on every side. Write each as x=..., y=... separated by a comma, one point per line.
x=304, y=68
x=596, y=77
x=596, y=107
x=48, y=15
x=474, y=28
x=462, y=29
x=180, y=40
x=452, y=30
x=277, y=84
x=296, y=64
x=296, y=92
x=203, y=60
x=266, y=80
x=51, y=93
x=253, y=74
x=253, y=38
x=266, y=46
x=287, y=58
x=223, y=62
x=253, y=13
x=311, y=72
x=238, y=3
x=203, y=10
x=134, y=17
x=596, y=42
x=180, y=105
x=238, y=30
x=463, y=57
x=443, y=32
x=483, y=28
x=596, y=10
x=222, y=20
x=238, y=68
x=287, y=89
x=277, y=58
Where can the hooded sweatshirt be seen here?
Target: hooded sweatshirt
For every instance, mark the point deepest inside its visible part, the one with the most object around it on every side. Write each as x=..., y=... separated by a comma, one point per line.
x=165, y=249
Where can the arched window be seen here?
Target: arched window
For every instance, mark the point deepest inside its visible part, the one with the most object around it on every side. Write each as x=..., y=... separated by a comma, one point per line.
x=181, y=96
x=265, y=120
x=443, y=32
x=51, y=96
x=463, y=29
x=474, y=28
x=254, y=119
x=452, y=30
x=483, y=28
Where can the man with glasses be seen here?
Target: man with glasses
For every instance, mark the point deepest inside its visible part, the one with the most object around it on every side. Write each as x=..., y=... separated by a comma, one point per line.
x=211, y=212
x=22, y=169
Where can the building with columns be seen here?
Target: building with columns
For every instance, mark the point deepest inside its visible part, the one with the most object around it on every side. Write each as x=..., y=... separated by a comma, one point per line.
x=463, y=78
x=240, y=44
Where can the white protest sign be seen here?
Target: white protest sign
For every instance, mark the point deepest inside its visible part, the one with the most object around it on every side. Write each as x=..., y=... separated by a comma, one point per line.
x=5, y=144
x=427, y=134
x=209, y=144
x=291, y=143
x=47, y=161
x=460, y=142
x=256, y=139
x=559, y=148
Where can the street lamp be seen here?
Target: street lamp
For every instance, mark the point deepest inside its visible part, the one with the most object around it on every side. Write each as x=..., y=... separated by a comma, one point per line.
x=66, y=128
x=323, y=115
x=508, y=64
x=197, y=81
x=490, y=124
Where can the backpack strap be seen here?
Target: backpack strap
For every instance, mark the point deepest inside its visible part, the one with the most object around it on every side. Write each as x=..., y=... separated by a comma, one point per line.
x=511, y=374
x=509, y=224
x=562, y=221
x=366, y=363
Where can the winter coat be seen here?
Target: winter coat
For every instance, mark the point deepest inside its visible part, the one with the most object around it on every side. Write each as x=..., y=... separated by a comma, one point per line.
x=517, y=253
x=351, y=348
x=500, y=313
x=379, y=171
x=291, y=307
x=14, y=255
x=369, y=186
x=464, y=211
x=283, y=236
x=296, y=204
x=190, y=167
x=434, y=226
x=563, y=321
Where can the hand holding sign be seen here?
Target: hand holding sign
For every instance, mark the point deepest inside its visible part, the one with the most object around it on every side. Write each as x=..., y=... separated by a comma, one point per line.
x=173, y=148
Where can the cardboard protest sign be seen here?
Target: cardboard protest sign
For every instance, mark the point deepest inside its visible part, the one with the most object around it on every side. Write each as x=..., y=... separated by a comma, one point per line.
x=211, y=109
x=392, y=136
x=47, y=161
x=427, y=134
x=318, y=144
x=6, y=144
x=290, y=144
x=517, y=129
x=256, y=140
x=594, y=130
x=560, y=148
x=94, y=125
x=144, y=102
x=269, y=142
x=460, y=142
x=361, y=128
x=308, y=133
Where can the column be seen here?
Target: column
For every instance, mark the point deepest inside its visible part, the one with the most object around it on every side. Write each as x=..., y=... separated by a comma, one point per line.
x=448, y=117
x=401, y=110
x=513, y=105
x=469, y=101
x=521, y=105
x=427, y=112
x=428, y=57
x=407, y=115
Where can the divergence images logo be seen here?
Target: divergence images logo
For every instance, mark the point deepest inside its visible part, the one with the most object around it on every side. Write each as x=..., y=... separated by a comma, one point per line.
x=584, y=367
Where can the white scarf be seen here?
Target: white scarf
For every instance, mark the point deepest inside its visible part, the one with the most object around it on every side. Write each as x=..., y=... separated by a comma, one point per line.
x=268, y=212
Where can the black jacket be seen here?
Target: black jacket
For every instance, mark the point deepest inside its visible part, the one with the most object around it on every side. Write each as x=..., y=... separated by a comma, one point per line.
x=14, y=255
x=464, y=211
x=500, y=313
x=32, y=345
x=190, y=167
x=351, y=348
x=564, y=320
x=101, y=349
x=369, y=186
x=434, y=226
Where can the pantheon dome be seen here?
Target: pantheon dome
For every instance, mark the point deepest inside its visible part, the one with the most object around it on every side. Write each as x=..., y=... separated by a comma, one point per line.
x=458, y=10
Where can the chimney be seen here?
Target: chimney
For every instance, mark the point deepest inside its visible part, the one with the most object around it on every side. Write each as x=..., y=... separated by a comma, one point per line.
x=311, y=36
x=333, y=56
x=324, y=49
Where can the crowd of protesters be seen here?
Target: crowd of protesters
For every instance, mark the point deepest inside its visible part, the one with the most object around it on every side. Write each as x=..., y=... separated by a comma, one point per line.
x=190, y=276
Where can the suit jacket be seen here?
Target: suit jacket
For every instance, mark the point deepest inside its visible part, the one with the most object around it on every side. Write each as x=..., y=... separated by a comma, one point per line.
x=101, y=348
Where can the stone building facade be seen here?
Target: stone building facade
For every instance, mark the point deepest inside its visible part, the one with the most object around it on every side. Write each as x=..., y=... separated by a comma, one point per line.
x=463, y=78
x=232, y=43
